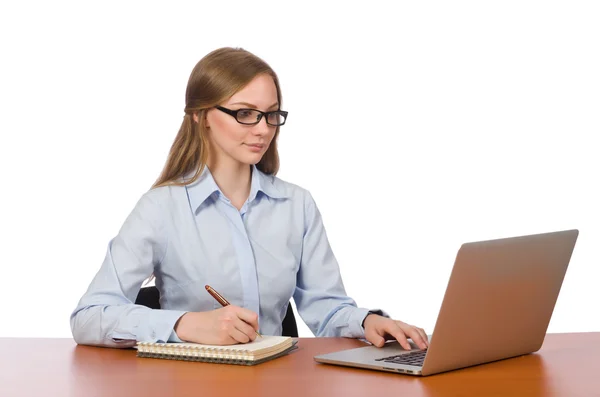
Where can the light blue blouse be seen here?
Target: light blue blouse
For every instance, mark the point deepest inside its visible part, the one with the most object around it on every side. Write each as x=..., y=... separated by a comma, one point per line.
x=274, y=248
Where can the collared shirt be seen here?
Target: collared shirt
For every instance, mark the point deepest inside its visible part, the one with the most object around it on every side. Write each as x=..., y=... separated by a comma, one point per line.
x=259, y=257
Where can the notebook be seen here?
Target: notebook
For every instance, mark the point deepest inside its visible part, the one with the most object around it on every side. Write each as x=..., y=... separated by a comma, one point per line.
x=262, y=349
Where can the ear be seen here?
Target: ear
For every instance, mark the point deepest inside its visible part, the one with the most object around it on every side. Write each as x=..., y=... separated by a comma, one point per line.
x=197, y=120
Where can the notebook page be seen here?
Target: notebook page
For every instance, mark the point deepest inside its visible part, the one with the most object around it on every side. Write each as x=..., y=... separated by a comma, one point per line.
x=260, y=343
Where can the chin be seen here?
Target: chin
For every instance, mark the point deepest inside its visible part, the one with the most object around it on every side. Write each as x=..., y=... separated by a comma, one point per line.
x=250, y=160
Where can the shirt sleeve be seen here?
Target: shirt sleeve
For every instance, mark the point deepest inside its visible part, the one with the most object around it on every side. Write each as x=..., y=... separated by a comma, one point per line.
x=320, y=295
x=106, y=314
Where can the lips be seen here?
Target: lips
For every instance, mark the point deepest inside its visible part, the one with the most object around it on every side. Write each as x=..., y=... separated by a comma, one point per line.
x=256, y=145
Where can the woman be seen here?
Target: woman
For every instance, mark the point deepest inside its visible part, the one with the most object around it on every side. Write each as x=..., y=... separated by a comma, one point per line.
x=217, y=215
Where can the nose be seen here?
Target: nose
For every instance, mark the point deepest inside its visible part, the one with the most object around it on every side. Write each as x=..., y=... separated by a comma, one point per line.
x=262, y=128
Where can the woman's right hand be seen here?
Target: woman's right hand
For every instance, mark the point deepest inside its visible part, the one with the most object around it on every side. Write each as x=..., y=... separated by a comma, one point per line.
x=228, y=325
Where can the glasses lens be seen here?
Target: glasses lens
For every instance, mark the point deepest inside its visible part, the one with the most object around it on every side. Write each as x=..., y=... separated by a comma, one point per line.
x=276, y=118
x=248, y=116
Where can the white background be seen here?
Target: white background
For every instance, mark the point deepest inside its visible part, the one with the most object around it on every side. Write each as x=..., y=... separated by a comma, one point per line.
x=417, y=126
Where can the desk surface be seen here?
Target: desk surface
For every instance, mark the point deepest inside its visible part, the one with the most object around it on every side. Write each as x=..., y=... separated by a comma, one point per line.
x=567, y=365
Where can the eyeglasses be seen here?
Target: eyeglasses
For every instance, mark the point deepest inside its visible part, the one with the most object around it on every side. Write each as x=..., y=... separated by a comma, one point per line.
x=253, y=116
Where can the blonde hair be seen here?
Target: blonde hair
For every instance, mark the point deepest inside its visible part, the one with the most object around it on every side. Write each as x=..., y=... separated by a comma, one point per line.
x=214, y=79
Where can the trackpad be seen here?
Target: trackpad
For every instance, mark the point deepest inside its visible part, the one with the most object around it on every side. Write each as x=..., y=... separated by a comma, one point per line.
x=371, y=353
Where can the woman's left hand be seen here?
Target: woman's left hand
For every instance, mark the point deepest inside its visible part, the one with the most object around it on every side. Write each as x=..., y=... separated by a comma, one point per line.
x=378, y=329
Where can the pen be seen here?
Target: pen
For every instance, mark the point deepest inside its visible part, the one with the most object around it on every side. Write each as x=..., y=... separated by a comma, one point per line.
x=220, y=299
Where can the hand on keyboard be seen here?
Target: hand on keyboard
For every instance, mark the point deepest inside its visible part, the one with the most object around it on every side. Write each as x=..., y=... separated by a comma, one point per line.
x=379, y=328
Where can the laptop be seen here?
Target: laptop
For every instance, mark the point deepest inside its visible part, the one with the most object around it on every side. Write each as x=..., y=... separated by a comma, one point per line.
x=497, y=305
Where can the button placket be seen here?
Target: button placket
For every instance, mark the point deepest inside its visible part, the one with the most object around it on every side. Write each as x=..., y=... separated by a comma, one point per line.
x=245, y=257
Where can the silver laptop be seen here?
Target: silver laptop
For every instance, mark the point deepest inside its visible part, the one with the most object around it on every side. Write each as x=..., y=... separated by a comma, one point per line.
x=497, y=305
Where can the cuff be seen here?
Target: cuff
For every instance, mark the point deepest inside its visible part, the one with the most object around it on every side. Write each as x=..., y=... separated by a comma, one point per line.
x=174, y=337
x=161, y=324
x=355, y=328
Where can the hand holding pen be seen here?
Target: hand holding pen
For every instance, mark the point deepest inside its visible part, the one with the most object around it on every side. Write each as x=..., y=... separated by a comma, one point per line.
x=220, y=299
x=228, y=325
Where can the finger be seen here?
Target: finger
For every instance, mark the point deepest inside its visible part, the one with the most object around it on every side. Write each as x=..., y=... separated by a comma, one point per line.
x=423, y=335
x=414, y=334
x=238, y=335
x=248, y=316
x=245, y=328
x=372, y=336
x=394, y=329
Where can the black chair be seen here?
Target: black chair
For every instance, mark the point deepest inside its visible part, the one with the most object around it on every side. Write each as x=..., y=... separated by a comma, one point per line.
x=150, y=297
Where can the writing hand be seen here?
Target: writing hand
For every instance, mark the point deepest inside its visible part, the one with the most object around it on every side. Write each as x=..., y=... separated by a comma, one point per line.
x=228, y=325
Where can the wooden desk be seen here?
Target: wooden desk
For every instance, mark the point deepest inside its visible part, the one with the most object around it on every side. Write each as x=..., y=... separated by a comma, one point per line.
x=567, y=365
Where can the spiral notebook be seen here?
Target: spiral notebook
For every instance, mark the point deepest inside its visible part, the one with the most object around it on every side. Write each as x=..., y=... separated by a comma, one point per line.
x=262, y=349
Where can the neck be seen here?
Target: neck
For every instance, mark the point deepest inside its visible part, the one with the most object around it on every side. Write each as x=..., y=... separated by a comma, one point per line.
x=233, y=179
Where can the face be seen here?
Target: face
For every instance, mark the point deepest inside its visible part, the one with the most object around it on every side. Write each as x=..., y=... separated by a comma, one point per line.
x=239, y=143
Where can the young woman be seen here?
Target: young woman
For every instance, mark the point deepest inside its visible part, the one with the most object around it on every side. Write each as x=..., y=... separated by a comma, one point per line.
x=218, y=216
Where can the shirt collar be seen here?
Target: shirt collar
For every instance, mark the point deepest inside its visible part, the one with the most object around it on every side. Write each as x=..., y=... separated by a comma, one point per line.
x=264, y=183
x=205, y=186
x=202, y=188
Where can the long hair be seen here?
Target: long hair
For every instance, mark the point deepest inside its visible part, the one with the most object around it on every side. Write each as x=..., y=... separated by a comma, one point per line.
x=214, y=79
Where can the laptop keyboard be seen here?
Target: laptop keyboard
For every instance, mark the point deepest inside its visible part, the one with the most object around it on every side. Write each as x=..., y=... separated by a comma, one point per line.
x=415, y=358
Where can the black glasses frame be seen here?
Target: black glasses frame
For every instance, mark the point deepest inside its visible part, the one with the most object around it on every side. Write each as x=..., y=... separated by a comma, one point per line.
x=262, y=114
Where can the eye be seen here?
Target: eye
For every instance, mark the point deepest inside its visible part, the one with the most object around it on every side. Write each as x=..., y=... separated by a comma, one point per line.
x=245, y=113
x=276, y=118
